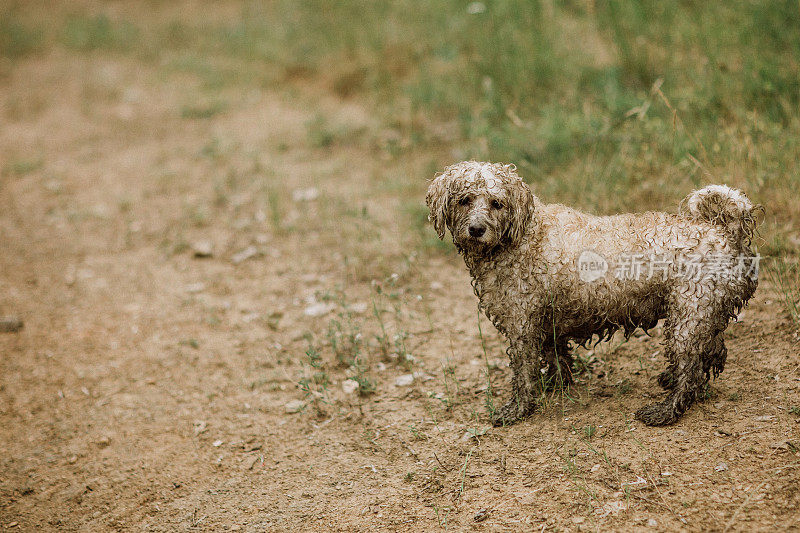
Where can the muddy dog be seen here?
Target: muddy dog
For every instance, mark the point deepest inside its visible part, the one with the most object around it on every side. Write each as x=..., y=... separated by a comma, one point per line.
x=550, y=278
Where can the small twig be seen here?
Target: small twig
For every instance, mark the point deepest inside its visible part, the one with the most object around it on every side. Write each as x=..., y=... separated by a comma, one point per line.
x=464, y=474
x=440, y=463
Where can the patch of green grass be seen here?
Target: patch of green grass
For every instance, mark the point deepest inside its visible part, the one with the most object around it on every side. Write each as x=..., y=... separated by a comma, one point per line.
x=366, y=385
x=87, y=33
x=417, y=434
x=212, y=75
x=319, y=133
x=18, y=39
x=786, y=277
x=191, y=343
x=417, y=214
x=623, y=387
x=203, y=111
x=21, y=167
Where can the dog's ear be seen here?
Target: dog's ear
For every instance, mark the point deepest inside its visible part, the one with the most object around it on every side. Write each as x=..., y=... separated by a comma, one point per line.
x=520, y=205
x=438, y=200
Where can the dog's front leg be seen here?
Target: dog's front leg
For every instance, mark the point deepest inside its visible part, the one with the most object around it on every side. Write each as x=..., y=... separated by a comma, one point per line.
x=525, y=355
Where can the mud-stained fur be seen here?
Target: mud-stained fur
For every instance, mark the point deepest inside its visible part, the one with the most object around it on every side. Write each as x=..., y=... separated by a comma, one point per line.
x=523, y=258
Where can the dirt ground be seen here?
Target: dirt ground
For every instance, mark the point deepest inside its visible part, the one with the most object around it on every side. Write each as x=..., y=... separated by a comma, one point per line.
x=154, y=390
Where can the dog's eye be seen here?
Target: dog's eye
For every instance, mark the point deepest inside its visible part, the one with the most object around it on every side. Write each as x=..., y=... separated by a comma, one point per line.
x=464, y=201
x=496, y=205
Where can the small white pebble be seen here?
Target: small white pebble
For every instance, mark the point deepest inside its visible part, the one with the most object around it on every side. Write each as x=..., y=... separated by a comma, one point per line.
x=404, y=381
x=349, y=386
x=294, y=406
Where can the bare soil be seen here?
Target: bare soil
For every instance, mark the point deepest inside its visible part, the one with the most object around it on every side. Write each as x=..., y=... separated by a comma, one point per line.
x=148, y=388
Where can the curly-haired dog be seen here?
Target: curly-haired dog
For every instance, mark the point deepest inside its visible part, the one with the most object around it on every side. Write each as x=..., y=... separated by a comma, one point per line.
x=550, y=277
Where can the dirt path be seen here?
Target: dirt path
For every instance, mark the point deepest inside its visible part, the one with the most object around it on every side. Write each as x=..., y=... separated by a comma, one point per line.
x=150, y=389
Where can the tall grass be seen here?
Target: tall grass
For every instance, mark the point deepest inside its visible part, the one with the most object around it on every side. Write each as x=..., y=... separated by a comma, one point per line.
x=551, y=85
x=786, y=278
x=562, y=89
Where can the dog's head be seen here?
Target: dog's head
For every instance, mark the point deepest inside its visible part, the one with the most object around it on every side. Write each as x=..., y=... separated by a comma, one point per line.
x=484, y=205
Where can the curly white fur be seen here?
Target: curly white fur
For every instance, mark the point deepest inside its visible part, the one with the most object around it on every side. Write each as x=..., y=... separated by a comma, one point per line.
x=523, y=256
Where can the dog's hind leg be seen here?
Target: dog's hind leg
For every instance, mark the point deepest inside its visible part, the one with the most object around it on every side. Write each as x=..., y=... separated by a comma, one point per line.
x=713, y=362
x=694, y=344
x=668, y=377
x=715, y=356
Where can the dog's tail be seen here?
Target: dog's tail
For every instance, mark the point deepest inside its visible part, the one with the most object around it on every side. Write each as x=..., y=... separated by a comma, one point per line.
x=727, y=208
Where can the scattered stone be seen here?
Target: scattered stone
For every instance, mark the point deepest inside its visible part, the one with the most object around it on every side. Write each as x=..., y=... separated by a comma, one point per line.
x=652, y=522
x=318, y=309
x=72, y=459
x=595, y=468
x=250, y=463
x=244, y=255
x=610, y=508
x=721, y=467
x=200, y=426
x=305, y=195
x=217, y=443
x=359, y=308
x=474, y=433
x=481, y=515
x=294, y=406
x=194, y=288
x=10, y=324
x=53, y=186
x=104, y=441
x=350, y=386
x=639, y=483
x=404, y=381
x=765, y=418
x=250, y=317
x=203, y=249
x=422, y=376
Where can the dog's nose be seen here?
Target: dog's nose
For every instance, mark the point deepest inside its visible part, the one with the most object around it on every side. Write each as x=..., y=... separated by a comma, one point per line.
x=476, y=231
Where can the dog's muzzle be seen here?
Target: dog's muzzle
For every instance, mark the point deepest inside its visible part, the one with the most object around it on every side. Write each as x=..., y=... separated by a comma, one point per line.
x=477, y=230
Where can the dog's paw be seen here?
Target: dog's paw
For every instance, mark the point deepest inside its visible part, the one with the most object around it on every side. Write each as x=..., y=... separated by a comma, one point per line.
x=512, y=412
x=656, y=414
